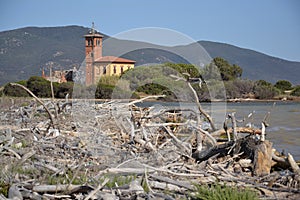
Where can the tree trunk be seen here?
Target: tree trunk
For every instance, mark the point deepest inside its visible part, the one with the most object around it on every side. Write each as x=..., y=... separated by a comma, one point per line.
x=262, y=162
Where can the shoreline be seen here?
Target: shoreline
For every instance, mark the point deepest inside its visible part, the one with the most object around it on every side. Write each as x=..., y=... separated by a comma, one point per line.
x=237, y=100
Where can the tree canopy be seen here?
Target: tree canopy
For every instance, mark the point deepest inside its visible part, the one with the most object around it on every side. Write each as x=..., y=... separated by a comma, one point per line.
x=283, y=85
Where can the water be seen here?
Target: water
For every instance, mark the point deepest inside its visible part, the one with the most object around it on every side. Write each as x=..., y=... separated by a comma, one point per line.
x=284, y=119
x=284, y=122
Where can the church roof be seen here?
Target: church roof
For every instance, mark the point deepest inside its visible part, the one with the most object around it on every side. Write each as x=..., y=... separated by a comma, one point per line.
x=113, y=59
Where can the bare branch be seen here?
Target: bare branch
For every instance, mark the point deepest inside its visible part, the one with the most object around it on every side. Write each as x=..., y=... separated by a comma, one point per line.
x=40, y=101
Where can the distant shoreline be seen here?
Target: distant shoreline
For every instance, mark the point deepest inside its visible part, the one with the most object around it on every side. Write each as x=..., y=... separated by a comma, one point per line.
x=237, y=100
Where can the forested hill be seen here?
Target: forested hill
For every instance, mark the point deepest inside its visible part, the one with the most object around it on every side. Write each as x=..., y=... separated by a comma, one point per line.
x=24, y=52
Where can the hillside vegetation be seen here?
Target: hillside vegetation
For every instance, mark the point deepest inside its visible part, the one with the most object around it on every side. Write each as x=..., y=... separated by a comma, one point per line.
x=158, y=80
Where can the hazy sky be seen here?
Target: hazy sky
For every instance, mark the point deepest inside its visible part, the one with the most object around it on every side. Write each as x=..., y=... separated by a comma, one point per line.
x=269, y=26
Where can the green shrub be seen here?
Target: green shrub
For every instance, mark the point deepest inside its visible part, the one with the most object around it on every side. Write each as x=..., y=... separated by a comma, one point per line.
x=104, y=91
x=109, y=80
x=152, y=88
x=220, y=192
x=264, y=90
x=283, y=85
x=61, y=90
x=39, y=86
x=296, y=91
x=15, y=91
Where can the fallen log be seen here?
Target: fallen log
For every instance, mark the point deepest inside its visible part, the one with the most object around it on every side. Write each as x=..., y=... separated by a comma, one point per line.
x=252, y=131
x=247, y=146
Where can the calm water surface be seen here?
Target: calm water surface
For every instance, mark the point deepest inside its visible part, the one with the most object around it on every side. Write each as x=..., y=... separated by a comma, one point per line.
x=284, y=119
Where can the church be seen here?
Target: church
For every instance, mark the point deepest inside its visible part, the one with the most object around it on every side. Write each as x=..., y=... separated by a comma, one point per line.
x=98, y=65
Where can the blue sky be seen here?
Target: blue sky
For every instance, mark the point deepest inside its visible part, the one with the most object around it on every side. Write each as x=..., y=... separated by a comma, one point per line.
x=268, y=26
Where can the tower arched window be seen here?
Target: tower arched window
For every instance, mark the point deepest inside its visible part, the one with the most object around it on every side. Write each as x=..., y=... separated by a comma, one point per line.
x=115, y=69
x=89, y=42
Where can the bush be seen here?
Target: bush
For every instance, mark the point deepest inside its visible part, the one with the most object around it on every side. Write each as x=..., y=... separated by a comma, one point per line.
x=264, y=90
x=239, y=88
x=61, y=90
x=15, y=91
x=39, y=86
x=104, y=91
x=152, y=88
x=283, y=85
x=296, y=91
x=109, y=80
x=219, y=192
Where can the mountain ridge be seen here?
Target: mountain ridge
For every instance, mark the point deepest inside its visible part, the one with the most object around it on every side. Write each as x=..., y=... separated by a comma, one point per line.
x=25, y=51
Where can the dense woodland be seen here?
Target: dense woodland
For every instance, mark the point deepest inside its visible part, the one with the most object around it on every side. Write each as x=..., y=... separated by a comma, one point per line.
x=156, y=80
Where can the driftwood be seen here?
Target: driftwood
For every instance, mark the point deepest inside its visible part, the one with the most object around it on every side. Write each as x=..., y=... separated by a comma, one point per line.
x=39, y=100
x=201, y=110
x=293, y=164
x=263, y=158
x=139, y=154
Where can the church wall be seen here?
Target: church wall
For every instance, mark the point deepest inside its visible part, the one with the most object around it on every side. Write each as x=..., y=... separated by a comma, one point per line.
x=110, y=69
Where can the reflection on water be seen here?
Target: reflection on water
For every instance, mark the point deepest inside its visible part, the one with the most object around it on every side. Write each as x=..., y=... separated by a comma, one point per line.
x=284, y=119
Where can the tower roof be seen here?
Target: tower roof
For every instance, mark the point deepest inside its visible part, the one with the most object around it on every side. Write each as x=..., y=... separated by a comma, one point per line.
x=93, y=32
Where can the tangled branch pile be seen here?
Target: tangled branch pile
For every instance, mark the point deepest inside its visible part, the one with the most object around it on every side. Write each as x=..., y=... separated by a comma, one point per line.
x=122, y=151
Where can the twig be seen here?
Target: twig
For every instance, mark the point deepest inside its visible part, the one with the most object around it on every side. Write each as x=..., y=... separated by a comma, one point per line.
x=213, y=140
x=147, y=97
x=187, y=151
x=92, y=193
x=186, y=185
x=12, y=151
x=54, y=188
x=206, y=115
x=166, y=124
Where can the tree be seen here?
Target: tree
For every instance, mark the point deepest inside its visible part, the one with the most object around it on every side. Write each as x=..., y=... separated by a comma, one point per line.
x=283, y=85
x=184, y=69
x=227, y=71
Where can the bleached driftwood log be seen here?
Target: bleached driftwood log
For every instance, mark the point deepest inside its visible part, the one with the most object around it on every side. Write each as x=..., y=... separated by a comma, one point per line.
x=293, y=164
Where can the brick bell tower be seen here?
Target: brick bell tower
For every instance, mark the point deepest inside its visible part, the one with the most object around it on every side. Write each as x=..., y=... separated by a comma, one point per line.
x=93, y=51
